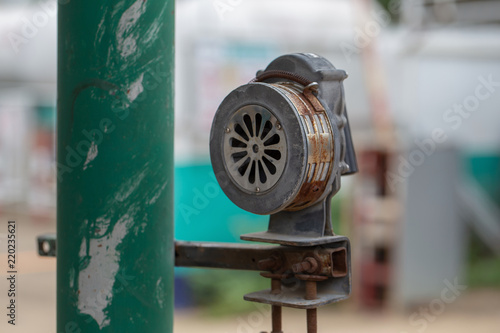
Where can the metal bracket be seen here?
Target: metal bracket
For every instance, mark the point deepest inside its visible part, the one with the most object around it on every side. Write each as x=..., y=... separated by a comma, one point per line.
x=333, y=270
x=47, y=245
x=330, y=289
x=302, y=277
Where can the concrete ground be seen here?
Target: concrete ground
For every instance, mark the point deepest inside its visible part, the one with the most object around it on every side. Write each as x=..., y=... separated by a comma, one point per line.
x=474, y=311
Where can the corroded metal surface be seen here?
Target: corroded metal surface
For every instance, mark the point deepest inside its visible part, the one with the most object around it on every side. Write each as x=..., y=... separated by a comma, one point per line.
x=276, y=319
x=302, y=97
x=288, y=288
x=312, y=320
x=304, y=93
x=222, y=255
x=295, y=299
x=331, y=282
x=320, y=148
x=282, y=259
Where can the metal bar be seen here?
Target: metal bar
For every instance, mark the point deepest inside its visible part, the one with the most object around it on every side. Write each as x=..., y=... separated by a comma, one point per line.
x=115, y=166
x=260, y=257
x=312, y=320
x=276, y=319
x=312, y=314
x=222, y=255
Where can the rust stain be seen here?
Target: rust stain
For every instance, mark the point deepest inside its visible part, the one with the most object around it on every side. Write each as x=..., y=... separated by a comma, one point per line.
x=317, y=264
x=320, y=144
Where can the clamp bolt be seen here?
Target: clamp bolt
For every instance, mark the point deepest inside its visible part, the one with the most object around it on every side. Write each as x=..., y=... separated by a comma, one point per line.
x=309, y=265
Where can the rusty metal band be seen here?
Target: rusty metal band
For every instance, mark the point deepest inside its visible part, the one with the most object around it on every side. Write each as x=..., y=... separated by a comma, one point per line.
x=319, y=136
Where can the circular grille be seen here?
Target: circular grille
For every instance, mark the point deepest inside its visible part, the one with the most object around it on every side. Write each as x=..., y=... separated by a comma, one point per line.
x=254, y=149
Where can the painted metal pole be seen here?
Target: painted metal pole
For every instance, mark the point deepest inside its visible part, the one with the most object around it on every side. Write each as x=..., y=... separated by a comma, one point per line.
x=115, y=166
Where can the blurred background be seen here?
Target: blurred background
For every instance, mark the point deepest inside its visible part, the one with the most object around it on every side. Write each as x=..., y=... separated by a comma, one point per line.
x=423, y=97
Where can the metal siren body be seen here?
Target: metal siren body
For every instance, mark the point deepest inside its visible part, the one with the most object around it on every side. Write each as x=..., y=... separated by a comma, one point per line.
x=278, y=143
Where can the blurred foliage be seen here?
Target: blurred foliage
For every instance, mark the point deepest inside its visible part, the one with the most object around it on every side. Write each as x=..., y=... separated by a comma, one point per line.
x=391, y=7
x=336, y=213
x=220, y=292
x=483, y=267
x=485, y=169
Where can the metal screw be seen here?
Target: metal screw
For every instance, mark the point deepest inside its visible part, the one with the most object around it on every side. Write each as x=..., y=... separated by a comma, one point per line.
x=278, y=126
x=228, y=130
x=276, y=309
x=311, y=290
x=257, y=189
x=276, y=319
x=312, y=316
x=312, y=321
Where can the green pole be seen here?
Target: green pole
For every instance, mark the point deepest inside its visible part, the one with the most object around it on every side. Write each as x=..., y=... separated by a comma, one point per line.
x=115, y=166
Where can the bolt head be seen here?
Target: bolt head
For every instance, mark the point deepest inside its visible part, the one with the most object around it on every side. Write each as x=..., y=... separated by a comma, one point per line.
x=228, y=130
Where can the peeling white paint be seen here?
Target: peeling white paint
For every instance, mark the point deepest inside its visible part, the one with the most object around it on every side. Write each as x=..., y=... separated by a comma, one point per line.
x=152, y=34
x=83, y=247
x=126, y=40
x=71, y=277
x=159, y=292
x=101, y=28
x=140, y=228
x=91, y=155
x=135, y=88
x=101, y=226
x=96, y=281
x=157, y=194
x=106, y=128
x=129, y=186
x=128, y=46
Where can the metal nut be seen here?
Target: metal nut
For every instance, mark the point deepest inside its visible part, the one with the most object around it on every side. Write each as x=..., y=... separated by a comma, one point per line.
x=309, y=265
